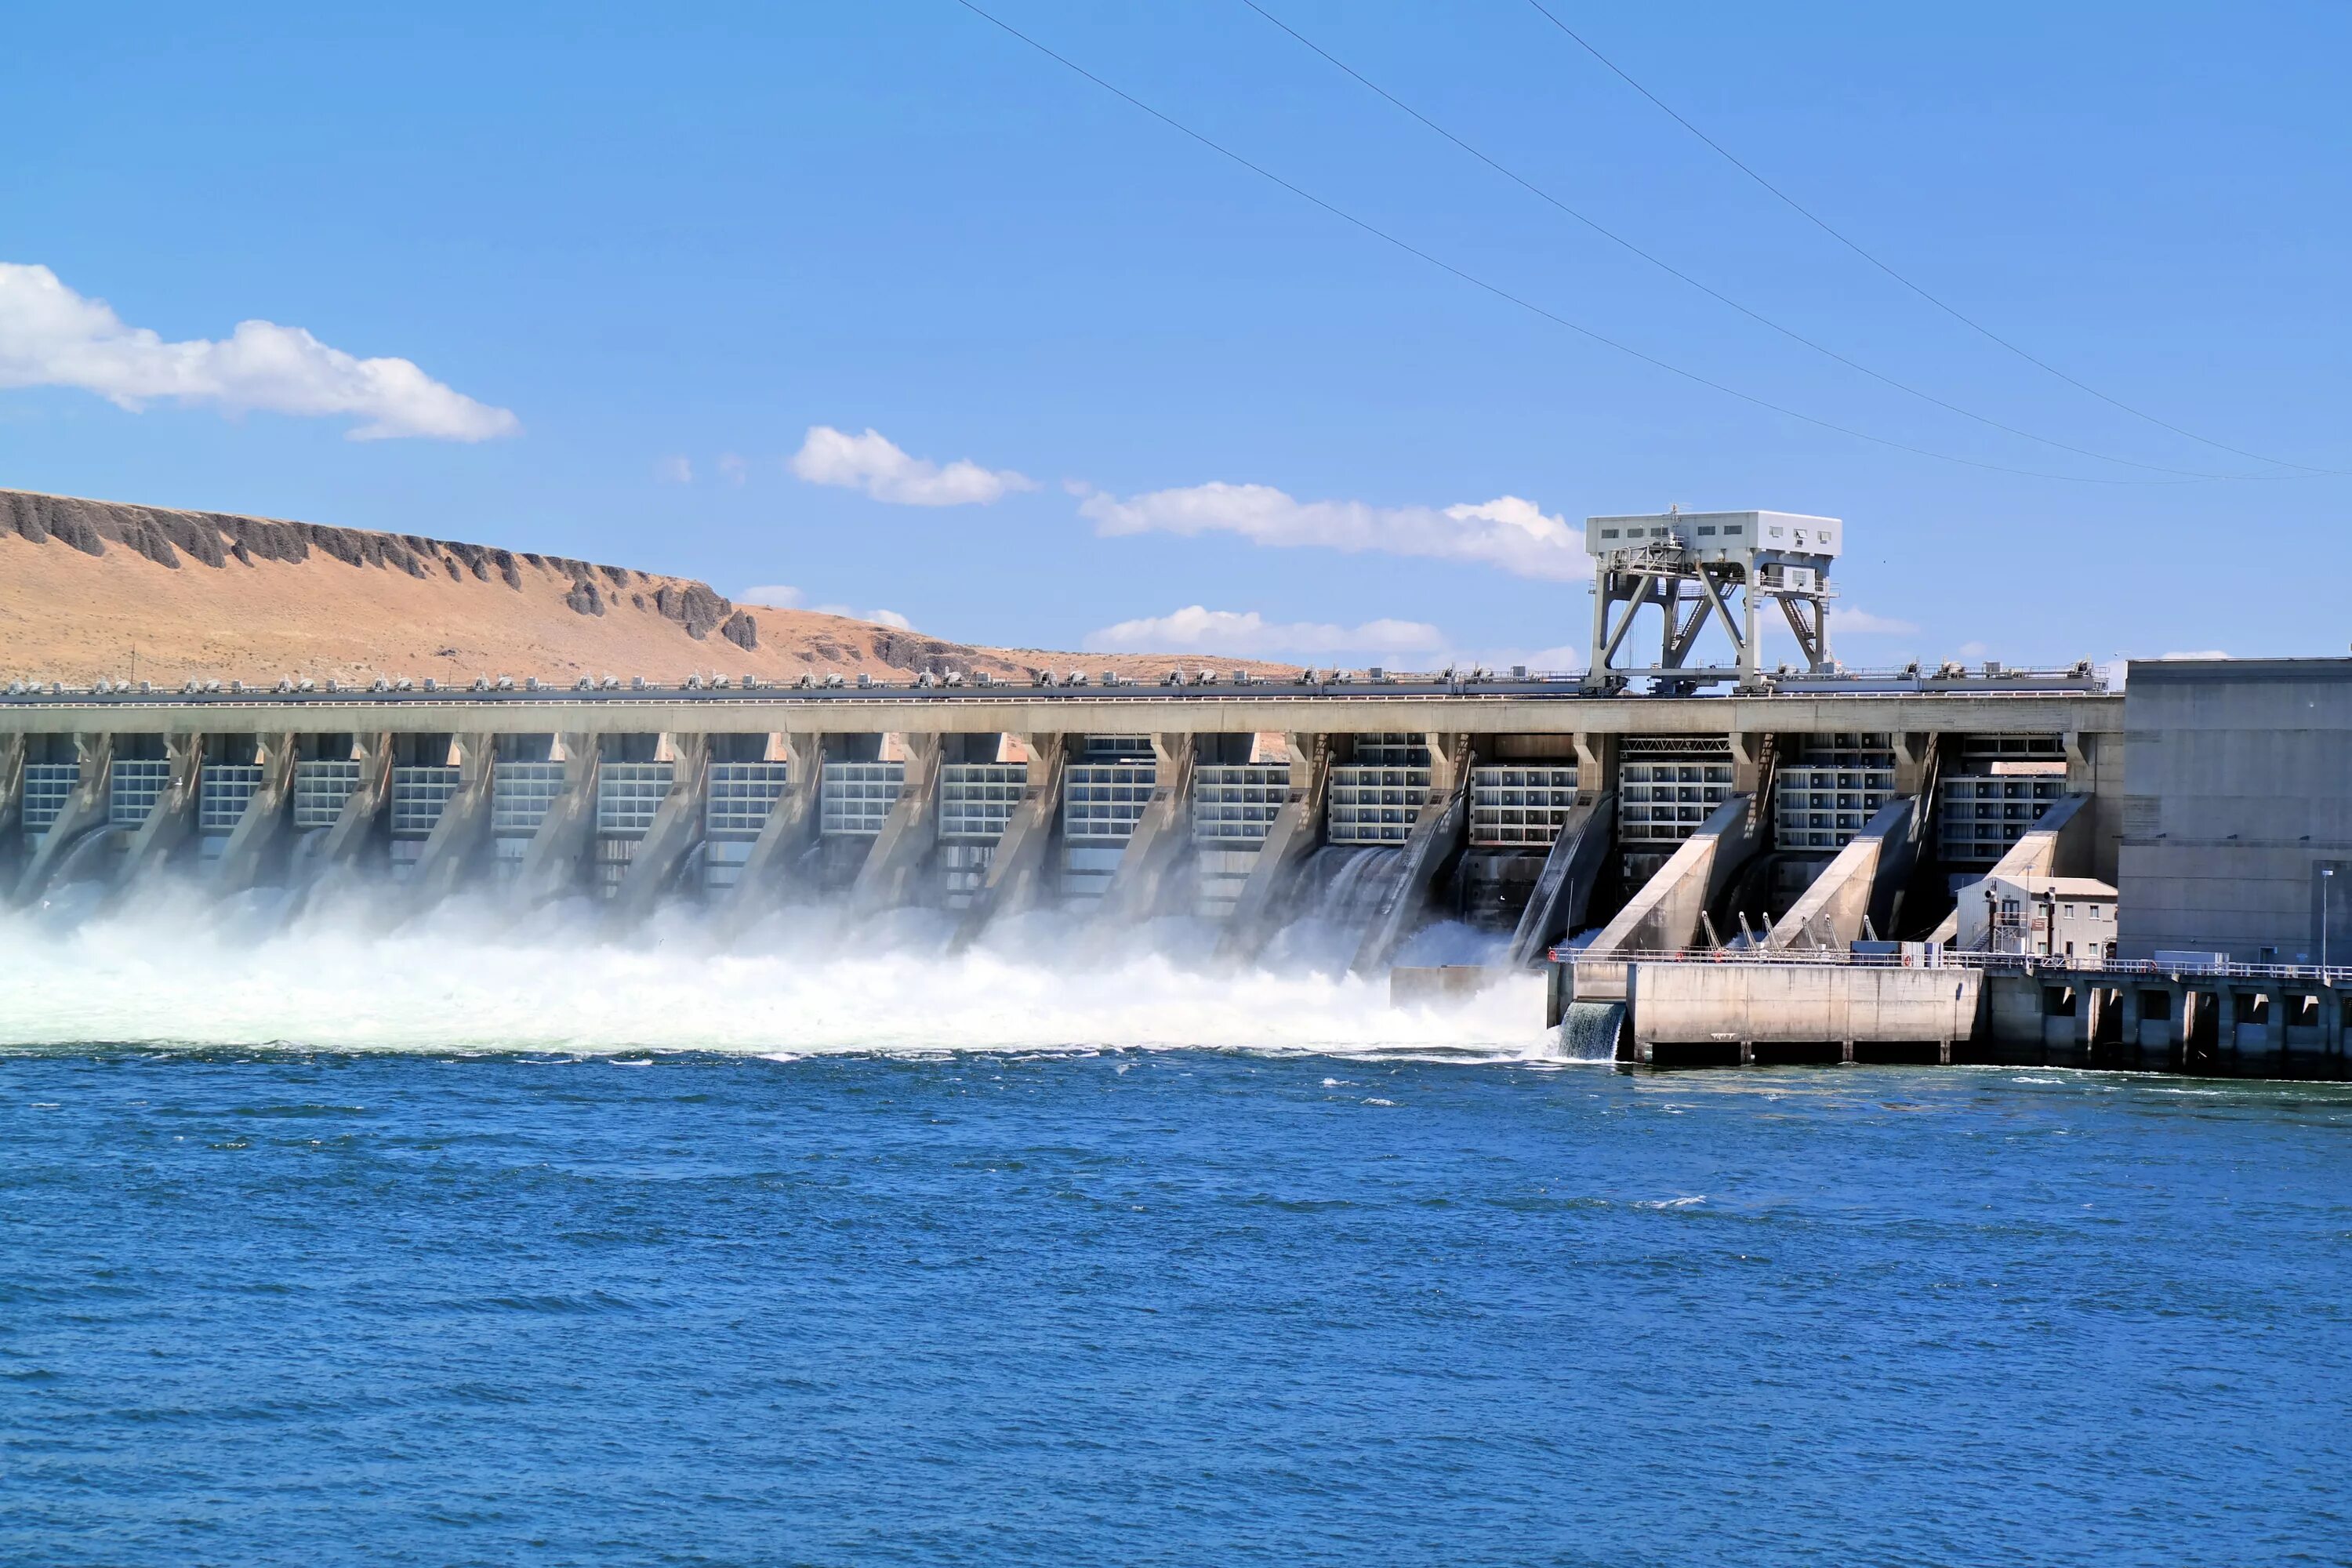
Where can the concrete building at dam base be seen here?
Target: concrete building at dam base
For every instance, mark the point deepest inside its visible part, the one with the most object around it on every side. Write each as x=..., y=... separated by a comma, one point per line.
x=1708, y=863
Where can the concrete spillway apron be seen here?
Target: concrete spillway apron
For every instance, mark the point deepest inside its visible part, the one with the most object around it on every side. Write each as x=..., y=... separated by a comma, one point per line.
x=1831, y=912
x=354, y=826
x=1023, y=863
x=785, y=834
x=1296, y=833
x=85, y=809
x=2057, y=845
x=1563, y=890
x=675, y=829
x=555, y=858
x=1663, y=916
x=12, y=805
x=1437, y=834
x=1161, y=836
x=262, y=822
x=453, y=849
x=173, y=817
x=892, y=871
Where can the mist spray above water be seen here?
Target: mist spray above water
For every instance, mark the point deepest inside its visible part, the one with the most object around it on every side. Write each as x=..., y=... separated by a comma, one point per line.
x=173, y=966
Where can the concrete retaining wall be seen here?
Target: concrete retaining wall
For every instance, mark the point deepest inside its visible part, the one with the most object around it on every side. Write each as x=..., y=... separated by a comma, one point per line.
x=1726, y=1003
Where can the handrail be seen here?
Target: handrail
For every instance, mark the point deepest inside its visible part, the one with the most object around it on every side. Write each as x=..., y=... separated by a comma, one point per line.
x=1008, y=691
x=1948, y=958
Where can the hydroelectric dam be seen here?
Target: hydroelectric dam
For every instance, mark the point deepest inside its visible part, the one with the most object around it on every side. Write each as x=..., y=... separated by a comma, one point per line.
x=1723, y=862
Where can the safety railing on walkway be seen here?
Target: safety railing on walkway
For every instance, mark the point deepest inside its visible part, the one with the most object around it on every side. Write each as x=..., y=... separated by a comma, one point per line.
x=1949, y=958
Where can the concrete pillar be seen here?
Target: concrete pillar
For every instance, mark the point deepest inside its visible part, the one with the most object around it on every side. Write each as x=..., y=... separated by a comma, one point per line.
x=892, y=873
x=12, y=805
x=85, y=809
x=1596, y=766
x=1751, y=755
x=1437, y=837
x=677, y=828
x=1832, y=909
x=554, y=863
x=785, y=836
x=454, y=850
x=355, y=825
x=1161, y=837
x=263, y=822
x=2225, y=1029
x=1296, y=833
x=173, y=817
x=1915, y=764
x=1023, y=865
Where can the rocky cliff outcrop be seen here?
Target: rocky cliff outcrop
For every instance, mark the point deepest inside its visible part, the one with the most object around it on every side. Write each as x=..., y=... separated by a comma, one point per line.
x=216, y=539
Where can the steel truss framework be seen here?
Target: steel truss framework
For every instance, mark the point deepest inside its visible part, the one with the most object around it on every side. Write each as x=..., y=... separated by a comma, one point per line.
x=1689, y=593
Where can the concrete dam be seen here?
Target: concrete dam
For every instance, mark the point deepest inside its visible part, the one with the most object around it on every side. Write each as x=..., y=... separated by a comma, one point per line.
x=1709, y=863
x=1515, y=805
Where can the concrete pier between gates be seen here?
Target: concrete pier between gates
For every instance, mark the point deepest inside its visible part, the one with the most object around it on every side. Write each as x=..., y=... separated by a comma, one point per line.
x=1834, y=911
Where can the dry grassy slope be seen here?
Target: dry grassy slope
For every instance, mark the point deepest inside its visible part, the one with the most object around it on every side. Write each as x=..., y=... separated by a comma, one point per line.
x=68, y=614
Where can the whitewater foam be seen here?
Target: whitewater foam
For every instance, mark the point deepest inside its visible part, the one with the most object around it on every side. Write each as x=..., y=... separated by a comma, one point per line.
x=176, y=968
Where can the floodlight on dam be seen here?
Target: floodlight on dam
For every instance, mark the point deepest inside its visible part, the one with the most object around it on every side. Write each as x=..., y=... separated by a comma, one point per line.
x=1692, y=565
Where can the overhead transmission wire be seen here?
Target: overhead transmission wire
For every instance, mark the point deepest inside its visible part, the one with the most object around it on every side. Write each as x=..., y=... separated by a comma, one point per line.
x=1716, y=294
x=1949, y=309
x=1499, y=292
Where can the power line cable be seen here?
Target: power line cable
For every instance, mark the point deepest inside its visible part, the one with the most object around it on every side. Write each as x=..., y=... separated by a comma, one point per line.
x=1523, y=303
x=1965, y=319
x=1716, y=294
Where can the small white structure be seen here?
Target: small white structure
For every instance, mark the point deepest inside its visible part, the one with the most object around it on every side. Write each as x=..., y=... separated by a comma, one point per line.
x=2068, y=918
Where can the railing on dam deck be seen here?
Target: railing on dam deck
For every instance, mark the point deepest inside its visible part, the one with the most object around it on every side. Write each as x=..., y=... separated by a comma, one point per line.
x=1197, y=686
x=1949, y=958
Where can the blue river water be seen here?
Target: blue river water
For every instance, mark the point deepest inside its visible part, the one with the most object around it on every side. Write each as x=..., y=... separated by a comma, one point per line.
x=1162, y=1307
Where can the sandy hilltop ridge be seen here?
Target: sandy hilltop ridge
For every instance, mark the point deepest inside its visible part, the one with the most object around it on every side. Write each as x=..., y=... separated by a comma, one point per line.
x=96, y=589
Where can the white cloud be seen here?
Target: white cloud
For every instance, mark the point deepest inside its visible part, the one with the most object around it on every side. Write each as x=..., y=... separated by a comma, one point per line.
x=675, y=470
x=51, y=336
x=782, y=597
x=733, y=469
x=1507, y=531
x=1850, y=620
x=874, y=464
x=1245, y=634
x=879, y=618
x=1248, y=634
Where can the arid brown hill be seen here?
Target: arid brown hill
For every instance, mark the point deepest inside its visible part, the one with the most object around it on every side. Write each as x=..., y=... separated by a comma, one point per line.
x=103, y=588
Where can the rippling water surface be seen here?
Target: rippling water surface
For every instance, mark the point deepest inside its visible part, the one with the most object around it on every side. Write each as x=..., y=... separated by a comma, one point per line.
x=1173, y=1306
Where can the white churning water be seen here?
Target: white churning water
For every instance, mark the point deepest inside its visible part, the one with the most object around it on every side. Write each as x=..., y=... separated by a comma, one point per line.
x=172, y=967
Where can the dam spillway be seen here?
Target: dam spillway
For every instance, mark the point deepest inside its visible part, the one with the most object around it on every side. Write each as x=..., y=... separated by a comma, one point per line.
x=1131, y=802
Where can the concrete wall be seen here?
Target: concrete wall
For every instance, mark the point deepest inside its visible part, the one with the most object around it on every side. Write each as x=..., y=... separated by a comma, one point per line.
x=2239, y=794
x=1794, y=1003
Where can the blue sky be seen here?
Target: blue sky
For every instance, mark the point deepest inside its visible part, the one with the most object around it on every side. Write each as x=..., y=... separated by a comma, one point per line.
x=620, y=249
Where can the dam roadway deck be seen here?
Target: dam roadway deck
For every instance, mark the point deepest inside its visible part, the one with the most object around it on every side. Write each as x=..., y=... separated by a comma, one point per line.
x=1513, y=709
